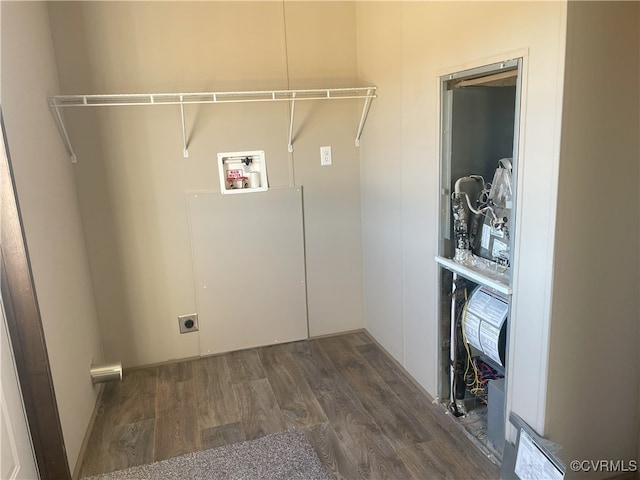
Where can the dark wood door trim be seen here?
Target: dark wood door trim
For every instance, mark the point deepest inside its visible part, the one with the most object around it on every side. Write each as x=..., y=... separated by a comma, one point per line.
x=26, y=333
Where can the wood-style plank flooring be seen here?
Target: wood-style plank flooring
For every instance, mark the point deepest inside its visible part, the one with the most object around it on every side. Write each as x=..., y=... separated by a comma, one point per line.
x=363, y=415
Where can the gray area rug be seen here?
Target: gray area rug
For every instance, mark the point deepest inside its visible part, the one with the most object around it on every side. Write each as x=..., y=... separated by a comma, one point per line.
x=285, y=456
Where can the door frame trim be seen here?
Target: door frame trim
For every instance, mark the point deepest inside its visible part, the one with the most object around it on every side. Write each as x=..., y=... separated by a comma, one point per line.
x=24, y=324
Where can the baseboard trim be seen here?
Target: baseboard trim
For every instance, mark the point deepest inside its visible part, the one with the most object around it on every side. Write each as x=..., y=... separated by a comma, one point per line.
x=337, y=334
x=87, y=434
x=399, y=365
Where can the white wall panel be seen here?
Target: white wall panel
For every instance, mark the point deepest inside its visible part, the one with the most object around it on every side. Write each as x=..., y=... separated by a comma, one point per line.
x=248, y=254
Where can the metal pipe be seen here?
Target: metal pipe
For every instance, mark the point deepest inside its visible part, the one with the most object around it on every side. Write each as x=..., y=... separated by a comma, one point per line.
x=106, y=372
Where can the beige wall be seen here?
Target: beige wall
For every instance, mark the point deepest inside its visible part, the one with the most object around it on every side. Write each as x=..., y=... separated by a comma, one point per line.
x=594, y=348
x=380, y=62
x=404, y=47
x=132, y=180
x=400, y=209
x=50, y=214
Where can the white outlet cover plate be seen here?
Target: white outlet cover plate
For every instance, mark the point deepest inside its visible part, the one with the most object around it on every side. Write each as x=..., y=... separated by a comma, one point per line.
x=325, y=156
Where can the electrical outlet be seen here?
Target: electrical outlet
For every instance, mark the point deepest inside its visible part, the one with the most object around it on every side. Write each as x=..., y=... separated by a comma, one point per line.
x=325, y=156
x=188, y=323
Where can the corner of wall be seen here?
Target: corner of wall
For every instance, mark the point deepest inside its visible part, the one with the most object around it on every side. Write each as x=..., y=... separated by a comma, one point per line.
x=50, y=213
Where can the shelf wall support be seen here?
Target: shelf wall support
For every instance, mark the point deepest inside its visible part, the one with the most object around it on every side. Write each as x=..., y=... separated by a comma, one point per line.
x=63, y=131
x=365, y=112
x=293, y=108
x=185, y=147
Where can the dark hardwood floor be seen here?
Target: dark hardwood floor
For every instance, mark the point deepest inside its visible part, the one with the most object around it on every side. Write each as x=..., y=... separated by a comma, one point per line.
x=363, y=415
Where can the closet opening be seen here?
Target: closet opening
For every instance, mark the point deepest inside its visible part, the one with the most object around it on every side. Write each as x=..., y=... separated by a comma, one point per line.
x=479, y=113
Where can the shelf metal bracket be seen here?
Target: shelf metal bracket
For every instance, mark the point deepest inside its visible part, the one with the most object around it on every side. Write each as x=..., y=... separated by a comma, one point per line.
x=185, y=147
x=293, y=108
x=57, y=115
x=365, y=112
